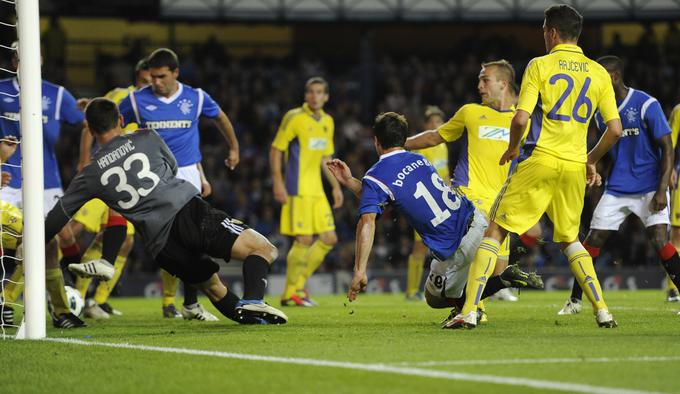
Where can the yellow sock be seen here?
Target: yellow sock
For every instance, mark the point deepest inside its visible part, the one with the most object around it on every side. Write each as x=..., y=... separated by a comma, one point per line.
x=101, y=295
x=93, y=252
x=295, y=264
x=671, y=285
x=54, y=282
x=581, y=265
x=170, y=284
x=480, y=270
x=315, y=256
x=15, y=286
x=415, y=274
x=82, y=284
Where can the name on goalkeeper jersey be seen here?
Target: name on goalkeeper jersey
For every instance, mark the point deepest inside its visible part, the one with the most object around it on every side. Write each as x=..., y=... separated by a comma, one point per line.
x=168, y=124
x=409, y=168
x=116, y=154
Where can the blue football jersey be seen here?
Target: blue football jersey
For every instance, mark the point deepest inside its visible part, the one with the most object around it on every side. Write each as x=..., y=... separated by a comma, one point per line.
x=636, y=156
x=175, y=118
x=58, y=106
x=409, y=182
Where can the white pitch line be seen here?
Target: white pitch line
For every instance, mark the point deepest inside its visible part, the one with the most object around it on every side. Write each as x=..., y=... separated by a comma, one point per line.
x=382, y=368
x=510, y=361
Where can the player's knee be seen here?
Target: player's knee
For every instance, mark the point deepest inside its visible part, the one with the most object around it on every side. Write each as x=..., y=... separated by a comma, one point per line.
x=51, y=254
x=435, y=302
x=596, y=238
x=265, y=249
x=306, y=240
x=329, y=238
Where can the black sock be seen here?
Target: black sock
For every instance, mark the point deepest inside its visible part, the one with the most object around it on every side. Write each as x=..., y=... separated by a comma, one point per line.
x=576, y=291
x=255, y=270
x=672, y=267
x=227, y=305
x=493, y=285
x=190, y=294
x=113, y=239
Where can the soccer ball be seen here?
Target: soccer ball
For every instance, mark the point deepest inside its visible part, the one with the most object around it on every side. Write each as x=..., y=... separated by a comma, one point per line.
x=74, y=301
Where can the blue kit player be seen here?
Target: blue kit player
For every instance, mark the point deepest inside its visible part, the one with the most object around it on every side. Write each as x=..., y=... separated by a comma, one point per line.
x=173, y=109
x=449, y=224
x=639, y=177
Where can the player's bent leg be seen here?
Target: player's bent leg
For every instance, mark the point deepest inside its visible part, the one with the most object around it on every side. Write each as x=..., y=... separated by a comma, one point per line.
x=170, y=284
x=296, y=263
x=670, y=260
x=415, y=270
x=315, y=257
x=104, y=289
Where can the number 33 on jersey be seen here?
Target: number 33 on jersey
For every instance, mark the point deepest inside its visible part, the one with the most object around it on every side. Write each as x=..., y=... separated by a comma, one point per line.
x=571, y=87
x=410, y=182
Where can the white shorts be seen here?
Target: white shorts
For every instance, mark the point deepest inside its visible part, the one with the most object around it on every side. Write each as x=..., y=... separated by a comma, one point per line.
x=190, y=174
x=447, y=278
x=14, y=197
x=612, y=210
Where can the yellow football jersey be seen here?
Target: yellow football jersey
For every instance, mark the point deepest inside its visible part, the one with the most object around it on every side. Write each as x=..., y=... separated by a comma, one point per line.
x=674, y=121
x=117, y=95
x=561, y=91
x=12, y=225
x=485, y=133
x=306, y=140
x=439, y=157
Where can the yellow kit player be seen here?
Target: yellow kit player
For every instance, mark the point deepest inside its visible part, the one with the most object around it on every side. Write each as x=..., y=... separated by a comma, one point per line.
x=11, y=228
x=306, y=138
x=560, y=92
x=439, y=157
x=484, y=130
x=674, y=121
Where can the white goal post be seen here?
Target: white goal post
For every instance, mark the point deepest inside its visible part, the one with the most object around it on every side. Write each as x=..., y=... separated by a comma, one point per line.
x=30, y=98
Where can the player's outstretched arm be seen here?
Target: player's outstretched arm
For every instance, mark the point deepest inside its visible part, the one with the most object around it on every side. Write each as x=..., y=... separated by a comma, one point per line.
x=364, y=243
x=338, y=198
x=343, y=174
x=426, y=139
x=609, y=138
x=227, y=129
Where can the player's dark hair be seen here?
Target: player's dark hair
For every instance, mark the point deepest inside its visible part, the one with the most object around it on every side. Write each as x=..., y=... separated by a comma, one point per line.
x=565, y=19
x=163, y=57
x=611, y=63
x=316, y=80
x=390, y=129
x=142, y=65
x=102, y=115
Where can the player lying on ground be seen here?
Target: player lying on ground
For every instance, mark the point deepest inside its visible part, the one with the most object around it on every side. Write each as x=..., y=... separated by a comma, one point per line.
x=638, y=180
x=450, y=225
x=135, y=175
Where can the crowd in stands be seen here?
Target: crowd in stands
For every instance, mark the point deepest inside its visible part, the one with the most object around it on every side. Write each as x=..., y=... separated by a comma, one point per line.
x=256, y=93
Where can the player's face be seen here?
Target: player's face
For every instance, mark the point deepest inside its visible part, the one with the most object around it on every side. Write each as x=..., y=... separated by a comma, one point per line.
x=143, y=79
x=549, y=37
x=434, y=122
x=316, y=96
x=490, y=87
x=163, y=81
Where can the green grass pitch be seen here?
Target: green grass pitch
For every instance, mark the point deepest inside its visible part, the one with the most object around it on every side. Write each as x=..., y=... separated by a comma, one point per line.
x=380, y=344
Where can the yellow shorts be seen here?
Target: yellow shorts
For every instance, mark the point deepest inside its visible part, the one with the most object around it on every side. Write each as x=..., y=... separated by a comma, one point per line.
x=94, y=215
x=675, y=209
x=306, y=215
x=542, y=183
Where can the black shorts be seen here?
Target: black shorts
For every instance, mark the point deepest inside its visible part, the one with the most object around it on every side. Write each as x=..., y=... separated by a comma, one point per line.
x=198, y=231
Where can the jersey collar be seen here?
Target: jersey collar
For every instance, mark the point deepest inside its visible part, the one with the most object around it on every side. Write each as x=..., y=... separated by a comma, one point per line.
x=168, y=100
x=394, y=152
x=567, y=48
x=626, y=99
x=308, y=111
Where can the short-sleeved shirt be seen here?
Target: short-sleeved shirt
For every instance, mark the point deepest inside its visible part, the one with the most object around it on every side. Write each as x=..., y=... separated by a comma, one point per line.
x=135, y=175
x=58, y=106
x=636, y=155
x=12, y=225
x=485, y=134
x=305, y=138
x=175, y=118
x=562, y=90
x=410, y=183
